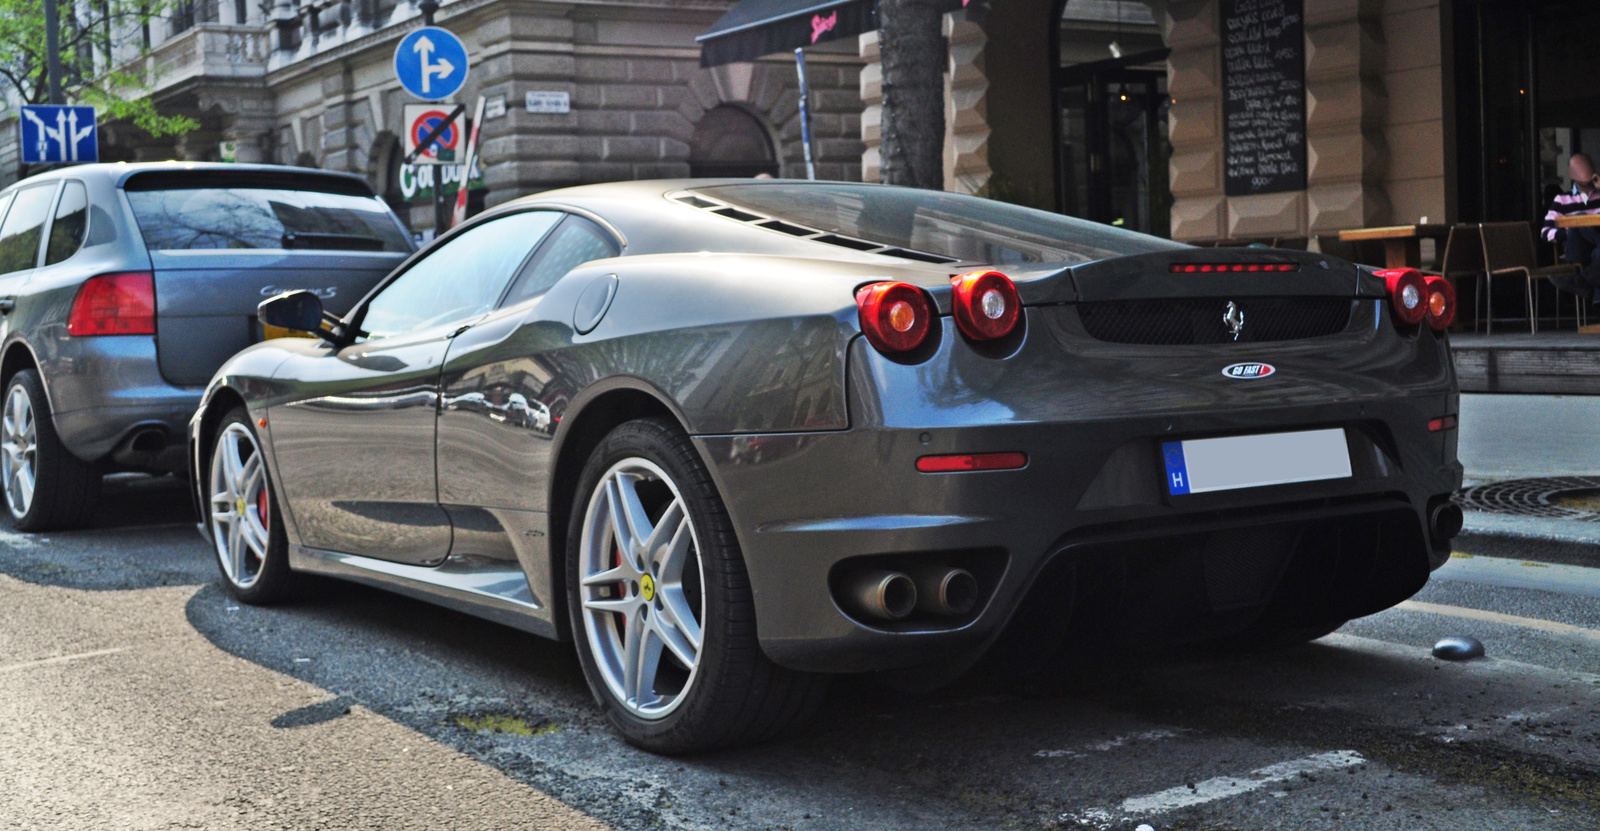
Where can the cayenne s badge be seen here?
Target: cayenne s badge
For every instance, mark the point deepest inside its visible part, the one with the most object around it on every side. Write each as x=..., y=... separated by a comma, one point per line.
x=1234, y=319
x=1249, y=372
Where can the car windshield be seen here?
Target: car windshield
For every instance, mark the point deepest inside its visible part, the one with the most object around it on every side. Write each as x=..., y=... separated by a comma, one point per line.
x=966, y=228
x=240, y=217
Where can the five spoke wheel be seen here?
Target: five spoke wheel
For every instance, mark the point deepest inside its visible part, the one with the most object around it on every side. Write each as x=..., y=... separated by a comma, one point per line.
x=19, y=447
x=641, y=588
x=240, y=506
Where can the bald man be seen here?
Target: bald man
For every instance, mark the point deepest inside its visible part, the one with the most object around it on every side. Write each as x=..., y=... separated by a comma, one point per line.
x=1580, y=245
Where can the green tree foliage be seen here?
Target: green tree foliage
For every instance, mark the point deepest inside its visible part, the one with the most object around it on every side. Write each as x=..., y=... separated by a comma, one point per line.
x=95, y=36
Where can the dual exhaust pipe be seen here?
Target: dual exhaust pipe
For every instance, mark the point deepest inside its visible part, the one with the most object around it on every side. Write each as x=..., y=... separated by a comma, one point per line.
x=884, y=594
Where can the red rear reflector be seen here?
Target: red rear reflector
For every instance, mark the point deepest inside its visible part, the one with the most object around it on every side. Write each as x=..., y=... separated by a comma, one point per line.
x=1442, y=423
x=958, y=463
x=114, y=304
x=1202, y=268
x=1441, y=302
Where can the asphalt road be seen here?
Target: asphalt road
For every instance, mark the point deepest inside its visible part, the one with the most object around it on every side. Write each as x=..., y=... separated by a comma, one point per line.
x=134, y=693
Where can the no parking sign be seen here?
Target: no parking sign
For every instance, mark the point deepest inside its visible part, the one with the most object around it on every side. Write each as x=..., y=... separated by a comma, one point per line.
x=422, y=119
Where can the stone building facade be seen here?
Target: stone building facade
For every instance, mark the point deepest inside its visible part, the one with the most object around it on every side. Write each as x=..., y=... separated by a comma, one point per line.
x=314, y=85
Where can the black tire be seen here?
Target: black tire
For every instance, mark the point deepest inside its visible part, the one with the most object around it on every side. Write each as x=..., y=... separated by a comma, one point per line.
x=272, y=581
x=735, y=695
x=66, y=489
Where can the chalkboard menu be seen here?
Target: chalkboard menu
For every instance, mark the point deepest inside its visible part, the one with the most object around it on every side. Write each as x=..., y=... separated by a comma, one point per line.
x=1263, y=96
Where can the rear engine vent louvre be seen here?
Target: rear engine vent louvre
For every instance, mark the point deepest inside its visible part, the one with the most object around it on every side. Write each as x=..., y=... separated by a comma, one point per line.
x=782, y=227
x=1201, y=321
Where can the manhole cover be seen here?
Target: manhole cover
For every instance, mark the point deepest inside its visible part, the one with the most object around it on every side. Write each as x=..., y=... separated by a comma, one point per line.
x=1564, y=497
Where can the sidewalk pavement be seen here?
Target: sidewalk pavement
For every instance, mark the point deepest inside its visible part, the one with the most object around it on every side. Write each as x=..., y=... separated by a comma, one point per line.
x=1522, y=437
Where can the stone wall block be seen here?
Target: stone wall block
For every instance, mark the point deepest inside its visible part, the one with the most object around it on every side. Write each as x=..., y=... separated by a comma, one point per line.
x=618, y=96
x=635, y=148
x=594, y=122
x=1266, y=215
x=1196, y=171
x=1198, y=217
x=1347, y=205
x=661, y=170
x=602, y=69
x=605, y=171
x=867, y=47
x=1353, y=100
x=672, y=149
x=1344, y=156
x=538, y=67
x=770, y=85
x=1195, y=120
x=872, y=125
x=837, y=149
x=1189, y=23
x=872, y=84
x=662, y=122
x=703, y=90
x=650, y=71
x=871, y=164
x=1193, y=73
x=1411, y=33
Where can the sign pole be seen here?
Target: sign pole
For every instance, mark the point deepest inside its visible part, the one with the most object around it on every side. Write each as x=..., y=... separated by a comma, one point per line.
x=805, y=118
x=52, y=48
x=466, y=169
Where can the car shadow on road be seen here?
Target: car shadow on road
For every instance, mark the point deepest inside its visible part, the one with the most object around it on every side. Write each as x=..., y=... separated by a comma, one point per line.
x=142, y=536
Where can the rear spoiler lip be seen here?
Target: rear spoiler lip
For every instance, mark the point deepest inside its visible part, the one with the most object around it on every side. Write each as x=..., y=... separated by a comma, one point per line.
x=1149, y=276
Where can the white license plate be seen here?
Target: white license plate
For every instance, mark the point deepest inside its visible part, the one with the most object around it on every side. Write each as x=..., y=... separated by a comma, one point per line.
x=1232, y=462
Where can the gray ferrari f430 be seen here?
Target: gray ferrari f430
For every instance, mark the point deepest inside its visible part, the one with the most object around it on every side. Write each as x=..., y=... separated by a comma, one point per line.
x=731, y=437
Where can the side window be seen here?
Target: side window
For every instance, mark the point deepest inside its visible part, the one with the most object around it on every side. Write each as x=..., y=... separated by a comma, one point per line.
x=575, y=242
x=460, y=279
x=72, y=220
x=23, y=227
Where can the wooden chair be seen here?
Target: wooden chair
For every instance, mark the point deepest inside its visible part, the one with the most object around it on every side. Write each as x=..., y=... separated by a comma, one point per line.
x=1507, y=252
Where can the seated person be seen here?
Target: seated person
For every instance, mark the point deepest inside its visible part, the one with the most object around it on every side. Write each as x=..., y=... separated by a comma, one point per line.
x=1580, y=246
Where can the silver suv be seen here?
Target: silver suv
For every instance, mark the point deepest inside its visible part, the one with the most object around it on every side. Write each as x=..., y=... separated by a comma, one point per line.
x=123, y=287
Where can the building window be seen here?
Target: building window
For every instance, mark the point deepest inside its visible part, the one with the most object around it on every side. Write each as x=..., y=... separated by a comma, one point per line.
x=730, y=142
x=186, y=13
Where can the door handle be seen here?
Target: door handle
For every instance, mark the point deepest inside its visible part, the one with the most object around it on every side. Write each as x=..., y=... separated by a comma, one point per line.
x=7, y=304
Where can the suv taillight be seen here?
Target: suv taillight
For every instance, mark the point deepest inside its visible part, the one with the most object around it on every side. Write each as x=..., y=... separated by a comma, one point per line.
x=114, y=304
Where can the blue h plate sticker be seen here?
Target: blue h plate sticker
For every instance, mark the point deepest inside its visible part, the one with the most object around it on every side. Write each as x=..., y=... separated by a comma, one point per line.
x=1177, y=471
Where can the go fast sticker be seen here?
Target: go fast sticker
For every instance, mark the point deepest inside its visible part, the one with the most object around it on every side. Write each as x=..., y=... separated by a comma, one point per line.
x=1248, y=372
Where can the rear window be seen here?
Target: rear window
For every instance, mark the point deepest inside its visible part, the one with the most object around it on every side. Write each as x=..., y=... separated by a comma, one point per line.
x=965, y=228
x=271, y=218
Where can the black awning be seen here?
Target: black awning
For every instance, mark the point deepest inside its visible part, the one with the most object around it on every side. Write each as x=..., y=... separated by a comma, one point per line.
x=757, y=28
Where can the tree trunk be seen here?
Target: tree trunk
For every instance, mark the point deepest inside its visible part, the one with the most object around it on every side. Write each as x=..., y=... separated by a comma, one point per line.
x=913, y=52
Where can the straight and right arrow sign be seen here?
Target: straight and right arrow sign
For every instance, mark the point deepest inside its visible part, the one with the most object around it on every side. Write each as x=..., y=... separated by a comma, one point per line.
x=431, y=63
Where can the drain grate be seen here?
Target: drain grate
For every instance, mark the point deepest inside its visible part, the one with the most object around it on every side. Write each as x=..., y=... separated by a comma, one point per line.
x=1561, y=497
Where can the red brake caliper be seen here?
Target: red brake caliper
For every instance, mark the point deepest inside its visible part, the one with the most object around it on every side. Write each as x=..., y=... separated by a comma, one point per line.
x=261, y=506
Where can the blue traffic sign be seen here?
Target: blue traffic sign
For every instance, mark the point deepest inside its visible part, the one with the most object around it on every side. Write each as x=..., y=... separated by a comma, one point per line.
x=431, y=63
x=59, y=134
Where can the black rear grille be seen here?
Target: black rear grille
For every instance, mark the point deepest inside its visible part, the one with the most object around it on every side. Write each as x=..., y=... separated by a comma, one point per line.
x=1204, y=320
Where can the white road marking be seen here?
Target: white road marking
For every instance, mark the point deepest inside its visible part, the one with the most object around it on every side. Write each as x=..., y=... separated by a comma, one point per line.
x=1540, y=624
x=1119, y=741
x=61, y=659
x=1223, y=787
x=1519, y=574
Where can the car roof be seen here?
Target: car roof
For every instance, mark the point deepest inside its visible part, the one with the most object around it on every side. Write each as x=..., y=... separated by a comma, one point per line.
x=119, y=172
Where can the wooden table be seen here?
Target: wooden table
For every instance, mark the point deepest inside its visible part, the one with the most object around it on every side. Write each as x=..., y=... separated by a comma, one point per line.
x=1402, y=244
x=1578, y=221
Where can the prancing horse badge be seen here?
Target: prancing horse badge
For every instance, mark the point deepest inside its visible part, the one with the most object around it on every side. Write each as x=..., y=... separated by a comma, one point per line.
x=1234, y=318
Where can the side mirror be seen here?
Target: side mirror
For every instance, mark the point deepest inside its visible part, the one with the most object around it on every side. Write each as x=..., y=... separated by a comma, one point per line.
x=297, y=311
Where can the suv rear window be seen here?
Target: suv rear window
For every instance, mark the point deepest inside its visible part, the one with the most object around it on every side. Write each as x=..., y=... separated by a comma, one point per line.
x=272, y=218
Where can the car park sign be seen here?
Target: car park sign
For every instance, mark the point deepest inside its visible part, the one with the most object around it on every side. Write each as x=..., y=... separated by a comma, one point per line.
x=59, y=134
x=431, y=63
x=423, y=119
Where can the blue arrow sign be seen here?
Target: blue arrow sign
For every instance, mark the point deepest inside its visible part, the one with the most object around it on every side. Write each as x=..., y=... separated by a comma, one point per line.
x=431, y=63
x=59, y=134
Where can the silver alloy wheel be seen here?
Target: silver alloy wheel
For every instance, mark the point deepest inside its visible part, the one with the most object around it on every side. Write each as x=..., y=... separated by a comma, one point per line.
x=240, y=510
x=642, y=623
x=19, y=446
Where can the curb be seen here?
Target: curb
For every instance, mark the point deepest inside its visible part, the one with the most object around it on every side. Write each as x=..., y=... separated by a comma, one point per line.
x=1564, y=541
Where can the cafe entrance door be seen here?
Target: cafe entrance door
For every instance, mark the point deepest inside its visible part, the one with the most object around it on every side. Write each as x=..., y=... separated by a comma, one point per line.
x=1113, y=143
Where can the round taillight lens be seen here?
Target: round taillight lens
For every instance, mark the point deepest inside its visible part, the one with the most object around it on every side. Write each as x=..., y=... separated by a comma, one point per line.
x=1408, y=293
x=1441, y=302
x=894, y=316
x=986, y=304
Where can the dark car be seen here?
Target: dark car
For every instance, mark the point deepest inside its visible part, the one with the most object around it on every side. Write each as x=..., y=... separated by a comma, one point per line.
x=125, y=286
x=734, y=436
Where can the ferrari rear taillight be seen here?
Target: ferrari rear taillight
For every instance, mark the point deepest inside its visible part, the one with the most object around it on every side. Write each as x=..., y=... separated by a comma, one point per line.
x=1408, y=293
x=114, y=304
x=1441, y=302
x=894, y=316
x=986, y=304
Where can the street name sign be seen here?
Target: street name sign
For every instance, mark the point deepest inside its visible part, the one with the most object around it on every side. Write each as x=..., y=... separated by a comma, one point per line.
x=422, y=119
x=431, y=63
x=59, y=134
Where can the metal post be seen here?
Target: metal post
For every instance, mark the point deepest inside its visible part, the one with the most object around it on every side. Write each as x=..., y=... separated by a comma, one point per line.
x=805, y=117
x=428, y=7
x=52, y=48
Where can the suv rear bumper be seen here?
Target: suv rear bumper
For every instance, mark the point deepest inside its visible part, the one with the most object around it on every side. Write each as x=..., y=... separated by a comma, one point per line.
x=106, y=390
